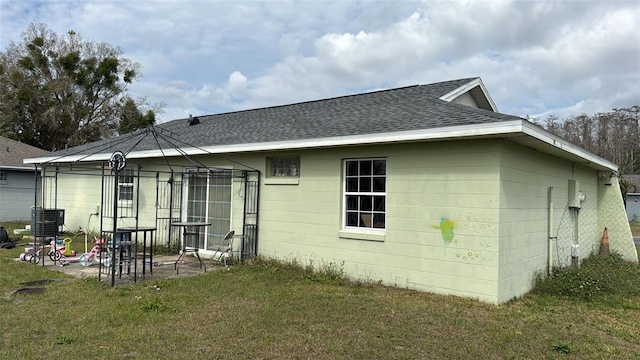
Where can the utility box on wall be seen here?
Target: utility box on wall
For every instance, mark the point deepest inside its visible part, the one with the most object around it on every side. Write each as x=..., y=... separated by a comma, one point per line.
x=574, y=194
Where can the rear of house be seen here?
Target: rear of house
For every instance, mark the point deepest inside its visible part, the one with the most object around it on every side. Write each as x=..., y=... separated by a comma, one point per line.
x=422, y=187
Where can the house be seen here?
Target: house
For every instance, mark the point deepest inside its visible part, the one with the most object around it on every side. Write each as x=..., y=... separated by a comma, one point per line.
x=633, y=197
x=426, y=187
x=16, y=179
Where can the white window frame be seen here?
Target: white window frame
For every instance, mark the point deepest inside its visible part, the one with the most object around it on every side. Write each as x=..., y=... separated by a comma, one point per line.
x=208, y=233
x=3, y=177
x=123, y=176
x=367, y=219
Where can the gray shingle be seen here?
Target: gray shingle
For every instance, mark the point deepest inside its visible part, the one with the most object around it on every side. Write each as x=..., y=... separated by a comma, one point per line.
x=408, y=108
x=13, y=152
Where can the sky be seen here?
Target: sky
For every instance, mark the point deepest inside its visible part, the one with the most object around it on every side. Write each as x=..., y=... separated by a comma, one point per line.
x=206, y=57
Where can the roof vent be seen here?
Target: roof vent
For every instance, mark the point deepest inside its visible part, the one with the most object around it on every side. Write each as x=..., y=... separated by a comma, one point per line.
x=193, y=120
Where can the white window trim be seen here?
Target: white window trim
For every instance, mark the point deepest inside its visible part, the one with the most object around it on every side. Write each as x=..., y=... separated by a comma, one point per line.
x=126, y=173
x=362, y=234
x=356, y=232
x=281, y=181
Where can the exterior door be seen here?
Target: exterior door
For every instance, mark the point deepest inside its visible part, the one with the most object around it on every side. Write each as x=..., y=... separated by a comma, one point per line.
x=209, y=200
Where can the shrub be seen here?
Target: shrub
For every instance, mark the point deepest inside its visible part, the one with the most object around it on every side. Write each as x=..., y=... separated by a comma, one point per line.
x=597, y=278
x=326, y=273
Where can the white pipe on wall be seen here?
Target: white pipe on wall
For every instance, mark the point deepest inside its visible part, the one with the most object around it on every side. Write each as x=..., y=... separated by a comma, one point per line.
x=550, y=231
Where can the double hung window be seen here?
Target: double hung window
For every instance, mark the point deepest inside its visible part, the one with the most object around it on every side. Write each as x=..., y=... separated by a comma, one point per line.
x=125, y=186
x=365, y=193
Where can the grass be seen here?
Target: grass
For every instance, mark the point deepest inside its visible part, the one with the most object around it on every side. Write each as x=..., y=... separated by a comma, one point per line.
x=276, y=310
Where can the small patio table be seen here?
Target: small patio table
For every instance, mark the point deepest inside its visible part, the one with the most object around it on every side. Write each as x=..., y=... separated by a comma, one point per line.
x=190, y=229
x=125, y=247
x=144, y=230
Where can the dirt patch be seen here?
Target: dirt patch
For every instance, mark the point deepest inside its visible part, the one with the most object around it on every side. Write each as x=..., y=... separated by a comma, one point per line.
x=29, y=291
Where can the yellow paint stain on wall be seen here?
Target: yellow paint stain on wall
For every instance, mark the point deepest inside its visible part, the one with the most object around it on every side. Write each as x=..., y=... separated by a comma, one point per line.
x=446, y=228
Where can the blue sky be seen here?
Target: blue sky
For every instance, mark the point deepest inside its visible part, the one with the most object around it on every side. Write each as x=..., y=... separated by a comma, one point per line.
x=204, y=57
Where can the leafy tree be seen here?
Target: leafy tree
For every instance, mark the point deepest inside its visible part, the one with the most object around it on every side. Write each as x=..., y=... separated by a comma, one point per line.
x=63, y=91
x=131, y=118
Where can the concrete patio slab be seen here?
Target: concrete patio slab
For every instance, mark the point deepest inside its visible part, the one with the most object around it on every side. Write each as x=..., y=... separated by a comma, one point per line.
x=163, y=268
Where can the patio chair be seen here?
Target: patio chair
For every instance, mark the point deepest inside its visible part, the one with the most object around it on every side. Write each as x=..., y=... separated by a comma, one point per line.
x=223, y=250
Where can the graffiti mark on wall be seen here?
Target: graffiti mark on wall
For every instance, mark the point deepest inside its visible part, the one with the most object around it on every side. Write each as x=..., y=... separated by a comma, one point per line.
x=446, y=229
x=474, y=257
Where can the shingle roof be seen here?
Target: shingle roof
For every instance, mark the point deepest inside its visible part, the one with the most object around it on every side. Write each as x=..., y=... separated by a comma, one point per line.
x=408, y=108
x=13, y=152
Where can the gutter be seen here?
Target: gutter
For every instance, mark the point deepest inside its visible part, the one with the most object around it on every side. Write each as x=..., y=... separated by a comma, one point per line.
x=18, y=168
x=487, y=130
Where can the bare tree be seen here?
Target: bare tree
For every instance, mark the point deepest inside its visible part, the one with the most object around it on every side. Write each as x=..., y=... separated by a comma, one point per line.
x=614, y=135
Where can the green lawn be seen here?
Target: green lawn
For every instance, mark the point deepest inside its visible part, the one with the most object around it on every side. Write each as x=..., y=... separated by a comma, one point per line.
x=270, y=310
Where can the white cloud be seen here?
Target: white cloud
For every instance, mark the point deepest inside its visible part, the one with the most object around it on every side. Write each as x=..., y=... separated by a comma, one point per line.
x=205, y=57
x=237, y=85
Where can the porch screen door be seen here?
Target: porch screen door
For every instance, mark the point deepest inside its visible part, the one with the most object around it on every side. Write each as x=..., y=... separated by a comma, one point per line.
x=209, y=200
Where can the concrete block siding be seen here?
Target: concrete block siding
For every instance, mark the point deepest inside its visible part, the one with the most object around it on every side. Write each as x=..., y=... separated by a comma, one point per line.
x=525, y=180
x=493, y=194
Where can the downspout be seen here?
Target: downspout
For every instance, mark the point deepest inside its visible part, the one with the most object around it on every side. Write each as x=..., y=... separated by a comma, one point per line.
x=257, y=216
x=577, y=232
x=116, y=175
x=170, y=182
x=550, y=231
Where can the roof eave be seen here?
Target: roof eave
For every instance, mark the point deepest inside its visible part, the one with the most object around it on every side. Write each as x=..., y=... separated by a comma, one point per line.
x=519, y=131
x=17, y=168
x=553, y=141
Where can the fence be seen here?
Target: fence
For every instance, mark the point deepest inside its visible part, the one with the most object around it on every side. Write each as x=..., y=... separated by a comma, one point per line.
x=15, y=203
x=580, y=231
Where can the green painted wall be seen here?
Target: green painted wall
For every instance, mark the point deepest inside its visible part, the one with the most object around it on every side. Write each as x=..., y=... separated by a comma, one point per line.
x=614, y=217
x=426, y=183
x=467, y=218
x=525, y=179
x=79, y=192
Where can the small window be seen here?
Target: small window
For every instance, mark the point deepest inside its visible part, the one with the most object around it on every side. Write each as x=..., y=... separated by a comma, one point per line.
x=125, y=186
x=365, y=193
x=3, y=177
x=284, y=166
